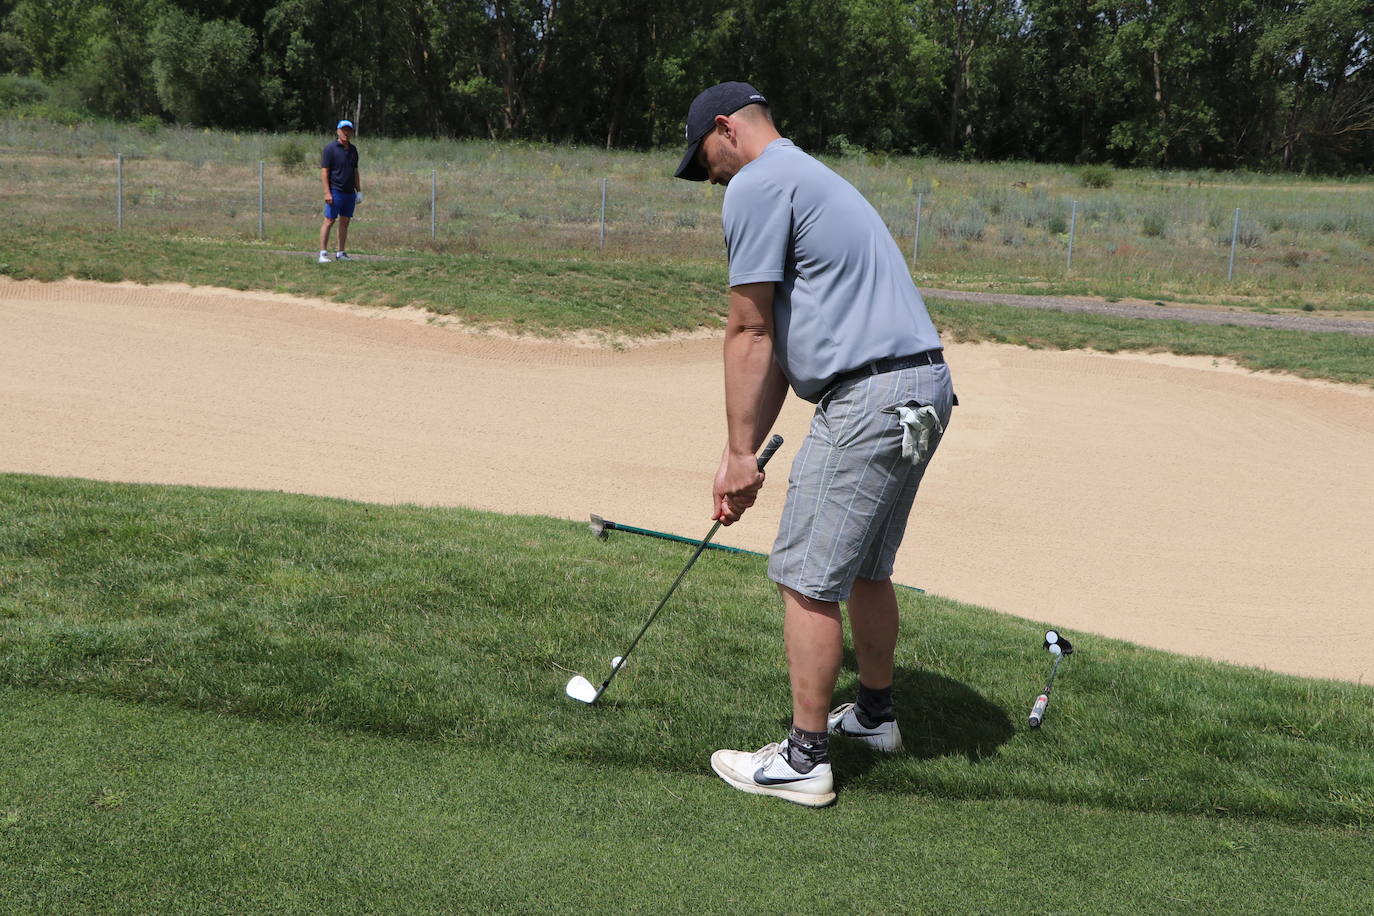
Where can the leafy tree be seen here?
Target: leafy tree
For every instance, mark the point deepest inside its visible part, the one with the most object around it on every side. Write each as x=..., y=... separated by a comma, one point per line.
x=52, y=33
x=204, y=71
x=1055, y=93
x=1322, y=55
x=1277, y=83
x=1159, y=49
x=964, y=30
x=111, y=74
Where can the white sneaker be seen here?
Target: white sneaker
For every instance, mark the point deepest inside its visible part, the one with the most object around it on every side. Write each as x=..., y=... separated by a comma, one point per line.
x=324, y=257
x=767, y=772
x=844, y=721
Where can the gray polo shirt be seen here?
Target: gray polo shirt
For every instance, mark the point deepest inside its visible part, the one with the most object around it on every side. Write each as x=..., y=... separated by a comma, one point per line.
x=844, y=296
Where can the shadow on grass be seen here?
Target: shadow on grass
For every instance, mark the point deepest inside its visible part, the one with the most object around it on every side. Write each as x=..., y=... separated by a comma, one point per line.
x=939, y=716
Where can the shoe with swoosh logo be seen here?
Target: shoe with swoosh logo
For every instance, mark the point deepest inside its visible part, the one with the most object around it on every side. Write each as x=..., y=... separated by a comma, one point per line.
x=767, y=771
x=882, y=736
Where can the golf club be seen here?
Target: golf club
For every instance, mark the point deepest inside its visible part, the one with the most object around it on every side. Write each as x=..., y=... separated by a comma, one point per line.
x=581, y=689
x=602, y=528
x=1059, y=647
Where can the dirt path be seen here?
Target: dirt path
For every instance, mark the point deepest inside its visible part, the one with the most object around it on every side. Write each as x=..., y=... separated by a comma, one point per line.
x=1173, y=502
x=1358, y=323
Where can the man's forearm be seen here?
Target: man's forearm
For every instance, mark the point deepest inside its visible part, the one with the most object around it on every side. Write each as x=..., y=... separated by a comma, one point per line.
x=754, y=390
x=755, y=387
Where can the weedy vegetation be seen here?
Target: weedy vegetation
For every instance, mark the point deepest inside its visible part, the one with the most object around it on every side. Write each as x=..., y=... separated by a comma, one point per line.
x=1140, y=233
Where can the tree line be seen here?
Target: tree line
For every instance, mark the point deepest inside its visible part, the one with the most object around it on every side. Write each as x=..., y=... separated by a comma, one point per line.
x=1269, y=84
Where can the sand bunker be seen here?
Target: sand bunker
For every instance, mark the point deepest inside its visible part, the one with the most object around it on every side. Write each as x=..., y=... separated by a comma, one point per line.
x=1175, y=502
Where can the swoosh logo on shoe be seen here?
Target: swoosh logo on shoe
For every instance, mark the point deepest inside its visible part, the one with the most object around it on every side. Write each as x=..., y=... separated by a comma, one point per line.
x=871, y=733
x=764, y=779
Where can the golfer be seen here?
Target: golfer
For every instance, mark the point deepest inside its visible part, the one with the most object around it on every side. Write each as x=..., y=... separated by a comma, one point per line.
x=342, y=188
x=821, y=301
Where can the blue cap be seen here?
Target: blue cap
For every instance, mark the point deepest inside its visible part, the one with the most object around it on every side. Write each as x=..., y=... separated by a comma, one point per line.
x=344, y=123
x=721, y=99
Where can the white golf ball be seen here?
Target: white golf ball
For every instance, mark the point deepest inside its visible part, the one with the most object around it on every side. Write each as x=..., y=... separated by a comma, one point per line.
x=1055, y=650
x=616, y=662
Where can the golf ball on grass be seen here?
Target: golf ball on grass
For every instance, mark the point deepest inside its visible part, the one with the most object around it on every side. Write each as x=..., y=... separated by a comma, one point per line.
x=616, y=662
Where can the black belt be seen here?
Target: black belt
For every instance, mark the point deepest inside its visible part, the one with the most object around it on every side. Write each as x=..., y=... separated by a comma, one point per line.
x=892, y=364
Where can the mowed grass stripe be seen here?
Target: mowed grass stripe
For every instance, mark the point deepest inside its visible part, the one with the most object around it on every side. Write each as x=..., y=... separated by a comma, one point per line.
x=461, y=627
x=113, y=807
x=1335, y=356
x=535, y=294
x=553, y=295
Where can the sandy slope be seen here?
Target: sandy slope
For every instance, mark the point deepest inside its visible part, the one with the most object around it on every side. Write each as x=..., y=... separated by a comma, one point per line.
x=1174, y=502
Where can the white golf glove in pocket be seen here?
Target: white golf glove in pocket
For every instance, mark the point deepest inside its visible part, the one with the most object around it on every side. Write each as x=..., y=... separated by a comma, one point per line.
x=921, y=429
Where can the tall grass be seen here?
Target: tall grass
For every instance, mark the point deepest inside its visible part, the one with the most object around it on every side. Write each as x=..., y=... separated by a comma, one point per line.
x=1143, y=233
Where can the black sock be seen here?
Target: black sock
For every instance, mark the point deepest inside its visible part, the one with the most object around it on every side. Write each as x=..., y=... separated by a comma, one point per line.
x=806, y=749
x=874, y=706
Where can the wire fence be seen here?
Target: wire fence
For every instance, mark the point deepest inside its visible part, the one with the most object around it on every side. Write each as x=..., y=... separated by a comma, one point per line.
x=1215, y=238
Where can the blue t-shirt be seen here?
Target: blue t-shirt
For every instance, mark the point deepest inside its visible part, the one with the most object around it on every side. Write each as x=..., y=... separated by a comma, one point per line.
x=342, y=163
x=843, y=296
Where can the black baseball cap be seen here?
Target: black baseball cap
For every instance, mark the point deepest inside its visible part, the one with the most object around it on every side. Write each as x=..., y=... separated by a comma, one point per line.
x=721, y=99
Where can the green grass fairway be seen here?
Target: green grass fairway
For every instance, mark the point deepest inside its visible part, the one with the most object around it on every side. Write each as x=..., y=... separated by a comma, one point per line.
x=110, y=807
x=232, y=701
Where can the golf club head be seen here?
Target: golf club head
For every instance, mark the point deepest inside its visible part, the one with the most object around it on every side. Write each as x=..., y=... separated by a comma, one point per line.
x=1053, y=638
x=581, y=690
x=598, y=527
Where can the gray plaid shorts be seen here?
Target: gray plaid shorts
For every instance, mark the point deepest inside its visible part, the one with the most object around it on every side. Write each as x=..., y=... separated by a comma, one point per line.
x=850, y=490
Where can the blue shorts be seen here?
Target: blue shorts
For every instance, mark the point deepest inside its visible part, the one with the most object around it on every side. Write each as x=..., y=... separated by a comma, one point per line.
x=850, y=490
x=342, y=206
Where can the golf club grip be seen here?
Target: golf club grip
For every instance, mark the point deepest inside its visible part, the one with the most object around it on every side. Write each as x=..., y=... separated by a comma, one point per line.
x=773, y=445
x=1038, y=710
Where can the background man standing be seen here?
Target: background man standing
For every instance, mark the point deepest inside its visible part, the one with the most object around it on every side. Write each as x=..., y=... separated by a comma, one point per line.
x=821, y=300
x=342, y=188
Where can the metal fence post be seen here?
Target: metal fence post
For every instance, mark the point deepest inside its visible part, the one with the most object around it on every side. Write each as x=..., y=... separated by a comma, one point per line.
x=1073, y=224
x=603, y=214
x=433, y=198
x=916, y=237
x=1235, y=230
x=262, y=195
x=119, y=191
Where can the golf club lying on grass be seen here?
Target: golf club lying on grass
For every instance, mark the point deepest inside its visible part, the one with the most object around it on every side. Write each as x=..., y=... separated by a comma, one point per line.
x=1059, y=647
x=581, y=689
x=602, y=528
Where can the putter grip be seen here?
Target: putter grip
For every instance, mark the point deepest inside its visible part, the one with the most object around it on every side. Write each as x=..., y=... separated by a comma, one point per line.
x=773, y=445
x=1038, y=710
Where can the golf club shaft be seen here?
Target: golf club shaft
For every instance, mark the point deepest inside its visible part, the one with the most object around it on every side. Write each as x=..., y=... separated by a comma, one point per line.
x=1042, y=702
x=642, y=630
x=1053, y=669
x=767, y=453
x=664, y=536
